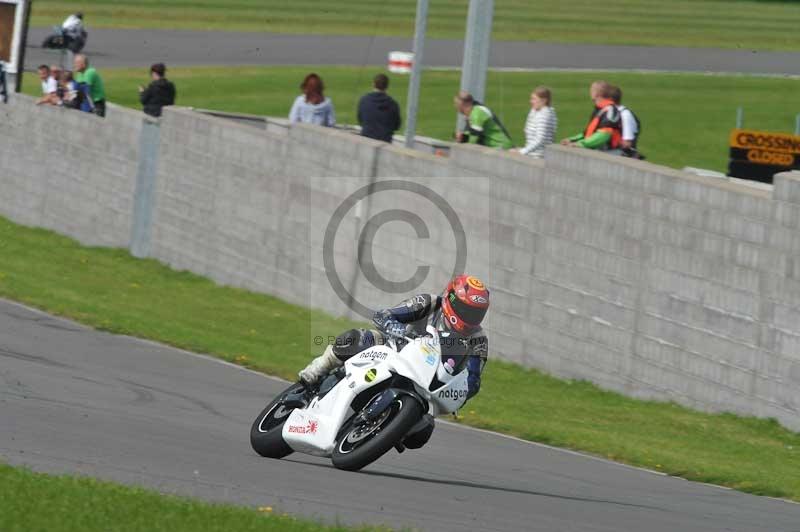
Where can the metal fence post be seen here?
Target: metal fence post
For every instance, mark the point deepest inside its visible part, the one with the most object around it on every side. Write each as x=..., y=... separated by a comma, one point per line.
x=416, y=72
x=145, y=195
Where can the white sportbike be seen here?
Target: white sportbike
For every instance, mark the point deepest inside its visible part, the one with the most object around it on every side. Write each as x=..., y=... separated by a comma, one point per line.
x=363, y=409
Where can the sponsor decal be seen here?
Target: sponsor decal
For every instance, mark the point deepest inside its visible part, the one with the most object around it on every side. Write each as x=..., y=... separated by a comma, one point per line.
x=455, y=395
x=310, y=428
x=370, y=375
x=478, y=299
x=373, y=355
x=430, y=353
x=475, y=283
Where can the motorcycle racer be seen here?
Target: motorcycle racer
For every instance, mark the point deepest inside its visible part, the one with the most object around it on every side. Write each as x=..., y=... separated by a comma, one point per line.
x=456, y=314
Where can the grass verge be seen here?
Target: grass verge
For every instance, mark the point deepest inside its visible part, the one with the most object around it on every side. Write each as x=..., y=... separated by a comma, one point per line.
x=749, y=24
x=686, y=118
x=108, y=289
x=33, y=502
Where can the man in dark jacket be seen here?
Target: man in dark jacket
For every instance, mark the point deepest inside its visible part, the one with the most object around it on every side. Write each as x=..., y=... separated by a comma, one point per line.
x=159, y=93
x=378, y=113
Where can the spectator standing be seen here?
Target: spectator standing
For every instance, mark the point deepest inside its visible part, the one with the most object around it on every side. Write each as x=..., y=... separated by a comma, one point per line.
x=84, y=74
x=483, y=127
x=159, y=93
x=312, y=107
x=631, y=127
x=604, y=130
x=49, y=86
x=540, y=127
x=378, y=113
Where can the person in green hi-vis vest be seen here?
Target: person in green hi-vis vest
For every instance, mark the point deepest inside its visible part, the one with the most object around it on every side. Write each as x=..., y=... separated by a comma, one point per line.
x=483, y=126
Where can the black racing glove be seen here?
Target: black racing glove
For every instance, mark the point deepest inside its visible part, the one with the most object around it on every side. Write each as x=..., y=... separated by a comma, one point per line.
x=395, y=328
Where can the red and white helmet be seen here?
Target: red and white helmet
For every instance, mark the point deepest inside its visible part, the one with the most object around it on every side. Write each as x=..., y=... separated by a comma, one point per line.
x=464, y=303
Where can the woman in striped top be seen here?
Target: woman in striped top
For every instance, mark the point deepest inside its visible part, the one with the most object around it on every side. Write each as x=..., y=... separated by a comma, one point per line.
x=540, y=127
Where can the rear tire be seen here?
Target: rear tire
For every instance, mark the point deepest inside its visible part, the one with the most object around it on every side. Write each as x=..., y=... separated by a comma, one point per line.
x=359, y=446
x=266, y=436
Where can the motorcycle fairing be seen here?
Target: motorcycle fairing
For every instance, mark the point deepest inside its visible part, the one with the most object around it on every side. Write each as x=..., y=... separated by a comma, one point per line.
x=314, y=429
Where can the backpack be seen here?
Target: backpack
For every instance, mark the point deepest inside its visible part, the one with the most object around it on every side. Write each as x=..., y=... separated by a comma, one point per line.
x=496, y=120
x=85, y=98
x=633, y=152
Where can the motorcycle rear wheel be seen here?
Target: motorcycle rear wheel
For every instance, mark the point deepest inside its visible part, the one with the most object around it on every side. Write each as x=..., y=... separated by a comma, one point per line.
x=266, y=432
x=362, y=444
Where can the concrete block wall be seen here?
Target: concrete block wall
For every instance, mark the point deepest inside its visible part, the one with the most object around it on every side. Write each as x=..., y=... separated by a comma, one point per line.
x=642, y=279
x=68, y=171
x=672, y=283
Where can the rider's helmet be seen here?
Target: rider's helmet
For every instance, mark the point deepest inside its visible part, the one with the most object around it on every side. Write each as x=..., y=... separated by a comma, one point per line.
x=464, y=304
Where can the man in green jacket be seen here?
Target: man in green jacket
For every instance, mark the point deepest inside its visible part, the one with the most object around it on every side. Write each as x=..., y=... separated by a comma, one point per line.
x=88, y=75
x=483, y=127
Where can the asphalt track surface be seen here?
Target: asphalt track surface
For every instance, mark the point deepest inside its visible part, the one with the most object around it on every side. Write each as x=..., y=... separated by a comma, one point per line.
x=76, y=400
x=139, y=48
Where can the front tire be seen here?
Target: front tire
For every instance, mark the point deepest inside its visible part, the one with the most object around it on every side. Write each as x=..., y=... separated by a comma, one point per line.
x=266, y=436
x=54, y=42
x=362, y=444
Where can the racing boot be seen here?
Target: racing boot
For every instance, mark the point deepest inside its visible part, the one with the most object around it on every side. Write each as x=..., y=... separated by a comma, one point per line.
x=319, y=367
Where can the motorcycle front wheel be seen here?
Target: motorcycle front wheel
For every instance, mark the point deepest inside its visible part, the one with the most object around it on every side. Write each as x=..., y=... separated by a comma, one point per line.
x=363, y=443
x=53, y=41
x=266, y=432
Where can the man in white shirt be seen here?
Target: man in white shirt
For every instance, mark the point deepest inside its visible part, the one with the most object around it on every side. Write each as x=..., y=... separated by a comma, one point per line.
x=630, y=124
x=49, y=86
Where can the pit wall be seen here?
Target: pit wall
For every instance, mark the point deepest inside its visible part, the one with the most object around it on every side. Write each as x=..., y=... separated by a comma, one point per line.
x=645, y=280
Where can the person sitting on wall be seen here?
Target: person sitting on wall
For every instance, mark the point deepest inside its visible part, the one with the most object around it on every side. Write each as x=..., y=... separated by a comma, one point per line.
x=483, y=126
x=378, y=113
x=160, y=92
x=604, y=130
